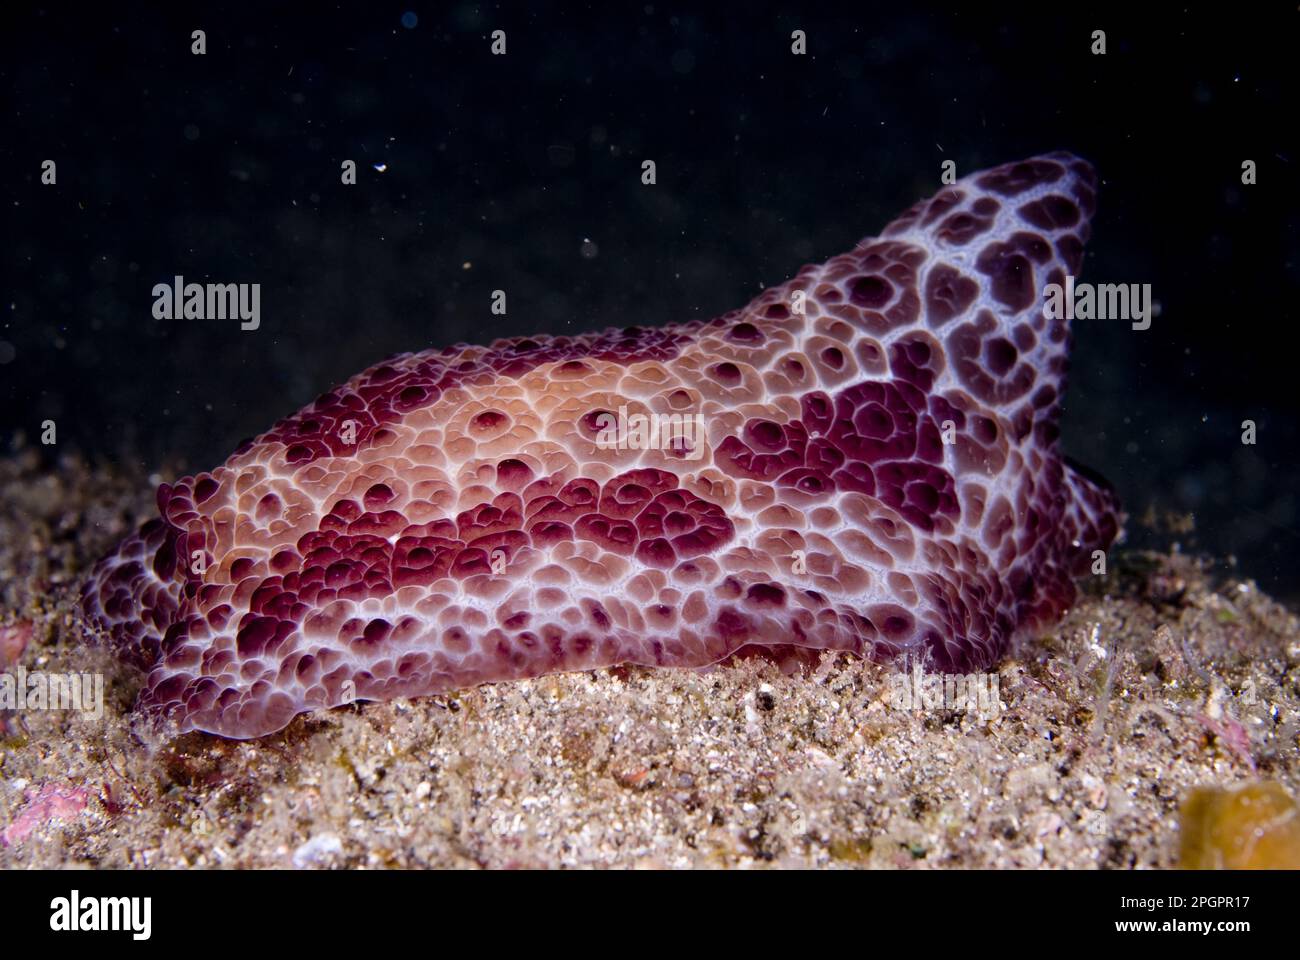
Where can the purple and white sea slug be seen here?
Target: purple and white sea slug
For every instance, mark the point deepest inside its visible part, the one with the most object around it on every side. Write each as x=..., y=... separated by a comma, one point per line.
x=875, y=470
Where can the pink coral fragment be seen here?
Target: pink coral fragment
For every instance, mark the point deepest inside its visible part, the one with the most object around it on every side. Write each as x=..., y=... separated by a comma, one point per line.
x=48, y=804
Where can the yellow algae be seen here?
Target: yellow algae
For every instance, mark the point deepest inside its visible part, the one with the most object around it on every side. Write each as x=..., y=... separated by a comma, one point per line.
x=1255, y=826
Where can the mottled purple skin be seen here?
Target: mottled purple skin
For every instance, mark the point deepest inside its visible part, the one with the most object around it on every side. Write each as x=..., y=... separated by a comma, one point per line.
x=878, y=473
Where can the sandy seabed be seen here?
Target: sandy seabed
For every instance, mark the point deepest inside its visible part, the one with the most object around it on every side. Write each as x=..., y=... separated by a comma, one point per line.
x=1162, y=678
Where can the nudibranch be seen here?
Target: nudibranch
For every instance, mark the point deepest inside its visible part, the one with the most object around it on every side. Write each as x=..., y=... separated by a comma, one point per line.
x=864, y=458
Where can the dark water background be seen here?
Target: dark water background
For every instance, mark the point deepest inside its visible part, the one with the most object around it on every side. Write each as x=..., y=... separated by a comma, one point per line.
x=225, y=168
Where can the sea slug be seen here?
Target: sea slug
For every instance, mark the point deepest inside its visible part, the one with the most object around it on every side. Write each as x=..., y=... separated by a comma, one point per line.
x=876, y=470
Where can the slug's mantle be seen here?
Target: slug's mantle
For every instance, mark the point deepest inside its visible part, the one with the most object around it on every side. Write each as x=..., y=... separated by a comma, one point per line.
x=878, y=472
